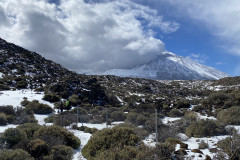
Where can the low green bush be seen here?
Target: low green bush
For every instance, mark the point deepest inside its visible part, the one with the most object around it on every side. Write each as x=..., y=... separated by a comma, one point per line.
x=230, y=144
x=161, y=151
x=17, y=154
x=188, y=118
x=4, y=87
x=136, y=119
x=60, y=152
x=74, y=100
x=8, y=110
x=51, y=97
x=24, y=115
x=182, y=103
x=230, y=116
x=38, y=148
x=140, y=132
x=118, y=116
x=115, y=138
x=204, y=128
x=90, y=130
x=29, y=128
x=127, y=153
x=3, y=119
x=56, y=135
x=49, y=119
x=38, y=108
x=13, y=135
x=21, y=85
x=175, y=141
x=175, y=113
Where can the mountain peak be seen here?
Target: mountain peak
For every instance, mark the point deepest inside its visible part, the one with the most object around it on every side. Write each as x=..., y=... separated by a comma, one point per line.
x=169, y=66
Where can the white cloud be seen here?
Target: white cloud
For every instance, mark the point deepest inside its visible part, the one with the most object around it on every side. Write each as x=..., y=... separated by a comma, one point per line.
x=199, y=58
x=86, y=37
x=221, y=17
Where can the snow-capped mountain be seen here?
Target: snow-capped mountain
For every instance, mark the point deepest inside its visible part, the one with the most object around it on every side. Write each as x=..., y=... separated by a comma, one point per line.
x=169, y=66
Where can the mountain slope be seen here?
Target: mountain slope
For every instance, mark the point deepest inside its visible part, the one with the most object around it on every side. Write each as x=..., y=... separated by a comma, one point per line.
x=169, y=66
x=23, y=69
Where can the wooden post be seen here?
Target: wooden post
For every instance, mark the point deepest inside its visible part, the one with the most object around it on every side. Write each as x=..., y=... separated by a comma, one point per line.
x=77, y=114
x=156, y=125
x=107, y=118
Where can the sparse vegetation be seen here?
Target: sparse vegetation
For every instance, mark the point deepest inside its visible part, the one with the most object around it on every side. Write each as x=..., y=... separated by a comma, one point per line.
x=116, y=138
x=204, y=128
x=36, y=107
x=56, y=135
x=230, y=116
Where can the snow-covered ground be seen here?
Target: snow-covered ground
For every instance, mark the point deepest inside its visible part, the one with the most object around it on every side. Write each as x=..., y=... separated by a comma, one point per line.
x=14, y=98
x=3, y=128
x=193, y=143
x=1, y=74
x=150, y=140
x=169, y=120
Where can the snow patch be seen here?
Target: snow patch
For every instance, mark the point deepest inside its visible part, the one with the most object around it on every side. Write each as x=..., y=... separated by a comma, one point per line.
x=205, y=117
x=3, y=128
x=150, y=140
x=169, y=120
x=14, y=98
x=1, y=75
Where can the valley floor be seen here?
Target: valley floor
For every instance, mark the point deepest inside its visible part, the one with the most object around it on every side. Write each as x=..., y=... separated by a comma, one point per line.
x=14, y=98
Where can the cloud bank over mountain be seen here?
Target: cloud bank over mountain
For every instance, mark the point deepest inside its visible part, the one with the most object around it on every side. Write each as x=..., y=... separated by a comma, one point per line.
x=86, y=37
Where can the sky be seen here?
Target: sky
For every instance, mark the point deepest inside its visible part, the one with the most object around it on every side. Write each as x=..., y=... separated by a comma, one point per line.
x=92, y=36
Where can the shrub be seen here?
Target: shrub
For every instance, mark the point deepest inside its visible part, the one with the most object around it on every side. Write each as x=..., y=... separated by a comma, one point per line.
x=8, y=110
x=3, y=119
x=161, y=151
x=205, y=128
x=13, y=135
x=230, y=116
x=38, y=148
x=49, y=119
x=56, y=135
x=127, y=153
x=74, y=100
x=131, y=117
x=38, y=108
x=24, y=115
x=17, y=154
x=105, y=139
x=230, y=144
x=140, y=132
x=183, y=103
x=136, y=119
x=202, y=145
x=51, y=97
x=60, y=152
x=188, y=118
x=21, y=85
x=89, y=130
x=174, y=141
x=118, y=116
x=4, y=87
x=29, y=128
x=216, y=100
x=175, y=113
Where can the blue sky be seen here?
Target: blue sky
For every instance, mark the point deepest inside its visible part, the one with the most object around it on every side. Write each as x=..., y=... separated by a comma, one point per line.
x=92, y=36
x=194, y=36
